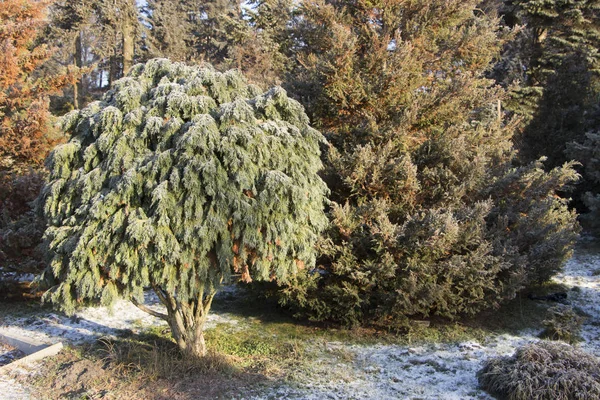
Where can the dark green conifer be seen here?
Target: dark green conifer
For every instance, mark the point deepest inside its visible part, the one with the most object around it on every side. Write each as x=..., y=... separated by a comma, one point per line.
x=559, y=94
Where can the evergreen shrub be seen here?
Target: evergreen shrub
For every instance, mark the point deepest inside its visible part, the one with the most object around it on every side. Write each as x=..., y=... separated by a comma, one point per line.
x=431, y=213
x=180, y=177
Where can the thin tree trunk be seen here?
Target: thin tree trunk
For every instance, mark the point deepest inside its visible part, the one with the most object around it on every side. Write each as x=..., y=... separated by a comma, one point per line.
x=113, y=69
x=76, y=95
x=78, y=58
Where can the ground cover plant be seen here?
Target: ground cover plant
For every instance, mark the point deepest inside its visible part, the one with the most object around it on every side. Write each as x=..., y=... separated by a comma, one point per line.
x=544, y=370
x=178, y=178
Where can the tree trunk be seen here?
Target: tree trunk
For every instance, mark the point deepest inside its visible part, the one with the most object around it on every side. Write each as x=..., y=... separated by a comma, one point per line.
x=113, y=69
x=191, y=342
x=186, y=320
x=128, y=46
x=78, y=59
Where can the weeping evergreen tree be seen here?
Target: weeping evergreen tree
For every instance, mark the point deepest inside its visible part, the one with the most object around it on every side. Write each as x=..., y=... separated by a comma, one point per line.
x=431, y=216
x=178, y=178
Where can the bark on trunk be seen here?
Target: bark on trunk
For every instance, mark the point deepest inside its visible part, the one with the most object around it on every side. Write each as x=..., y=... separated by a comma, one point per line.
x=186, y=320
x=78, y=58
x=128, y=46
x=191, y=342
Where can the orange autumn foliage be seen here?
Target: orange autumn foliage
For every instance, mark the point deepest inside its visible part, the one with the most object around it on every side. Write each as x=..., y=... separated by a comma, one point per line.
x=26, y=134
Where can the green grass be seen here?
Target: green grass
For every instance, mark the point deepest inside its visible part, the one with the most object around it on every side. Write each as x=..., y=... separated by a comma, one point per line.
x=263, y=318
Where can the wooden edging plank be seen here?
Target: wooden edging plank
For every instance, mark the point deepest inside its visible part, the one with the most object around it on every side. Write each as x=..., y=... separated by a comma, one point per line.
x=46, y=352
x=24, y=344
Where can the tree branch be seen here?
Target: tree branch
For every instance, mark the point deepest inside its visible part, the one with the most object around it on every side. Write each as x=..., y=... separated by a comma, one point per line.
x=149, y=310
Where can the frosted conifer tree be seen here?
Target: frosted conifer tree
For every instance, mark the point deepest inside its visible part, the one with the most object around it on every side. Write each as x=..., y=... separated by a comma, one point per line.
x=180, y=177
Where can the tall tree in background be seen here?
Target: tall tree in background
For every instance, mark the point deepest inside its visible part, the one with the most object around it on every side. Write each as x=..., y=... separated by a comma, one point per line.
x=72, y=28
x=99, y=37
x=119, y=21
x=193, y=30
x=254, y=38
x=262, y=42
x=215, y=21
x=559, y=52
x=430, y=214
x=170, y=29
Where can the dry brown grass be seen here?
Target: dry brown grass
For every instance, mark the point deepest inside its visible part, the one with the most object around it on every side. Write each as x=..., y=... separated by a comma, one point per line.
x=543, y=371
x=149, y=366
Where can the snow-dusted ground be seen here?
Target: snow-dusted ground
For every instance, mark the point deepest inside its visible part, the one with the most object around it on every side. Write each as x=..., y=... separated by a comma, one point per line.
x=9, y=388
x=441, y=371
x=8, y=354
x=583, y=273
x=343, y=371
x=91, y=323
x=436, y=371
x=86, y=325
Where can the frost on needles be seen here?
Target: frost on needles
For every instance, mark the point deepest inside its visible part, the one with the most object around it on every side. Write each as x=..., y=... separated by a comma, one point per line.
x=178, y=178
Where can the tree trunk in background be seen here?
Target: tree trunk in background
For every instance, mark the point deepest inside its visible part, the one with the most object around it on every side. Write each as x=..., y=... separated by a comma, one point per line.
x=128, y=46
x=113, y=69
x=78, y=58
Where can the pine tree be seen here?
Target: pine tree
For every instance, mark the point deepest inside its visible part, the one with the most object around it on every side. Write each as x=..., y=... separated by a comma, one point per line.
x=261, y=42
x=557, y=96
x=101, y=34
x=179, y=176
x=170, y=32
x=430, y=216
x=194, y=30
x=73, y=31
x=120, y=28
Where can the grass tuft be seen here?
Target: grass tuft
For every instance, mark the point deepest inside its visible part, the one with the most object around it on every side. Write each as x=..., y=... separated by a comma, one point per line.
x=543, y=371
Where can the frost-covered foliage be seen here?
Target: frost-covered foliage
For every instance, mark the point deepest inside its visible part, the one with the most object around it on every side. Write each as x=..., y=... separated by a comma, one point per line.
x=180, y=176
x=432, y=215
x=543, y=371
